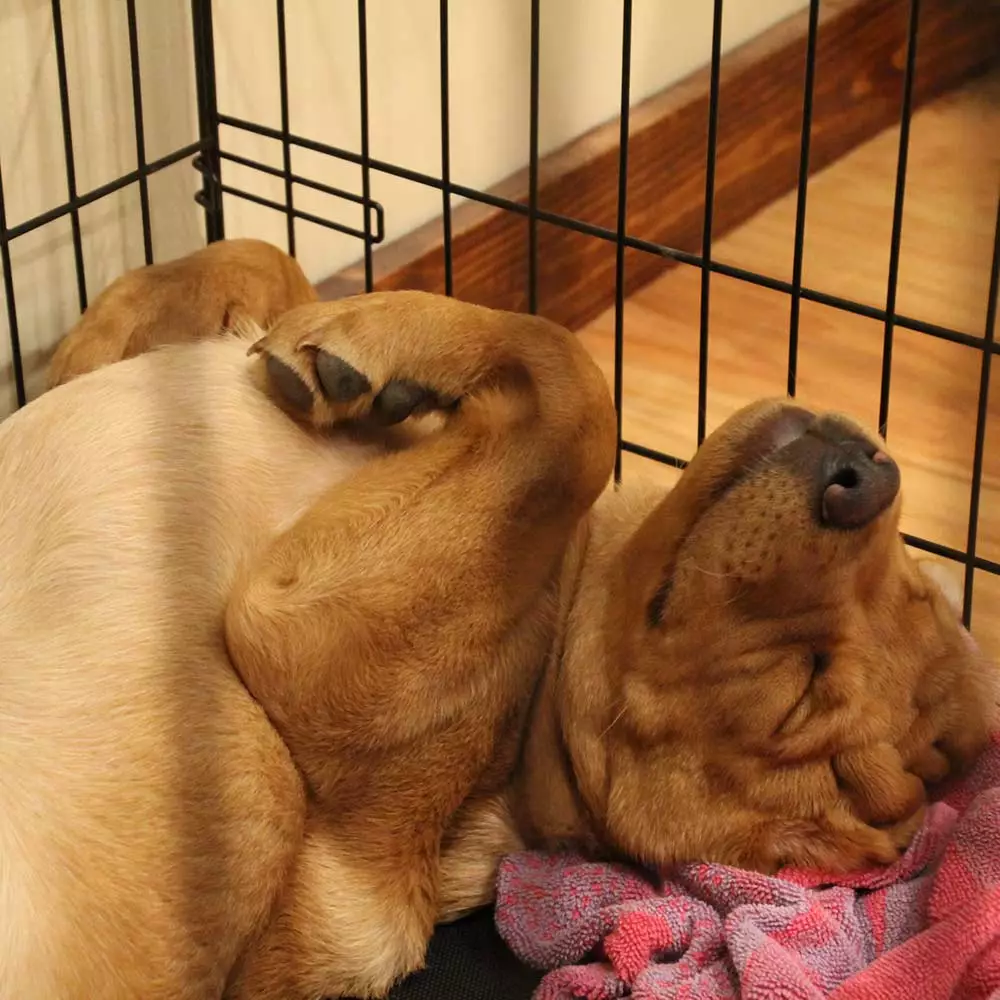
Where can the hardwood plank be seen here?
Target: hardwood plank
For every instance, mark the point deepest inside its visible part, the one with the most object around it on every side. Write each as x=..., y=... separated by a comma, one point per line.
x=860, y=57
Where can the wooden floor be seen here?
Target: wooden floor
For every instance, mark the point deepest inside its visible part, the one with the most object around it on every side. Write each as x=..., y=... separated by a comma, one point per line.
x=953, y=181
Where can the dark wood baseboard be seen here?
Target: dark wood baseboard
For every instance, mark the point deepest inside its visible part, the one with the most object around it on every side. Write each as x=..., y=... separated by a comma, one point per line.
x=861, y=50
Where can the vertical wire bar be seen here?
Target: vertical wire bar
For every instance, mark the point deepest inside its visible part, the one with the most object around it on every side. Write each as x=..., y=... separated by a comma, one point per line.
x=286, y=146
x=140, y=132
x=800, y=204
x=8, y=290
x=706, y=233
x=897, y=215
x=208, y=118
x=622, y=226
x=57, y=30
x=981, y=419
x=366, y=180
x=533, y=161
x=449, y=286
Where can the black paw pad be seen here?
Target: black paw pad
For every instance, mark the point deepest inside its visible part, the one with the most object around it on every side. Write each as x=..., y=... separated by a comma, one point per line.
x=341, y=382
x=289, y=384
x=398, y=400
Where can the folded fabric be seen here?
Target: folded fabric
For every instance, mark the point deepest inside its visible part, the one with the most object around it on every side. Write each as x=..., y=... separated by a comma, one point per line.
x=927, y=928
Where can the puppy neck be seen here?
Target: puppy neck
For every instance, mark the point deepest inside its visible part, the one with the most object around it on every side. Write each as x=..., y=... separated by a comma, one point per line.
x=559, y=789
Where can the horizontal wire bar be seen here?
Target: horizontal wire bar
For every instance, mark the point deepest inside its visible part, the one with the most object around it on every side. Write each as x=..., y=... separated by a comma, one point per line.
x=265, y=168
x=335, y=192
x=297, y=212
x=36, y=222
x=648, y=246
x=947, y=552
x=651, y=453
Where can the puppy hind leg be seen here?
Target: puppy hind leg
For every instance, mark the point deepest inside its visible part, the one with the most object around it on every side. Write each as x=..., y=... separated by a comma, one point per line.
x=467, y=527
x=336, y=932
x=333, y=917
x=481, y=834
x=394, y=633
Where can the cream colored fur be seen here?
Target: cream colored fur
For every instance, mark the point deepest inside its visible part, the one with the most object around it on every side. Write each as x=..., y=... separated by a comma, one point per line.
x=121, y=531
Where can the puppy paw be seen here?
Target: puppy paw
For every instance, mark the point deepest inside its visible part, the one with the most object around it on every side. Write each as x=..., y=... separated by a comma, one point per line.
x=323, y=388
x=902, y=833
x=930, y=764
x=878, y=785
x=837, y=843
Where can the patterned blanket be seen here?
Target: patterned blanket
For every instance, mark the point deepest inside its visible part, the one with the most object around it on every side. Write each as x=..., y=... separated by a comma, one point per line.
x=927, y=928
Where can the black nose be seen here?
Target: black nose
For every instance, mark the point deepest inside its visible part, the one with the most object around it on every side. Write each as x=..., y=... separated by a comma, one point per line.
x=858, y=482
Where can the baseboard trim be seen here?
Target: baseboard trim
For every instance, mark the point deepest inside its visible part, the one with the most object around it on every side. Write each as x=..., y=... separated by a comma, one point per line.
x=860, y=55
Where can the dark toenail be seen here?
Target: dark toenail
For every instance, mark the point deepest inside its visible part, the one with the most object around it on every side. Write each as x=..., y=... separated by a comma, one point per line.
x=341, y=382
x=397, y=401
x=290, y=384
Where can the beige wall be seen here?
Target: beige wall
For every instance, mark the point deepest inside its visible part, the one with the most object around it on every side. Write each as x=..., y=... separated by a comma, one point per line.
x=580, y=59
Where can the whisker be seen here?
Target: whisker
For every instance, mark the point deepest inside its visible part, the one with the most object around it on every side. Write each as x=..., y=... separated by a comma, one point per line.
x=690, y=564
x=612, y=723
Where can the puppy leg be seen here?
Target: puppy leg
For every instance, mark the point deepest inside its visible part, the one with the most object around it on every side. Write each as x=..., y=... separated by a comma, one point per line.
x=395, y=633
x=329, y=915
x=480, y=836
x=336, y=932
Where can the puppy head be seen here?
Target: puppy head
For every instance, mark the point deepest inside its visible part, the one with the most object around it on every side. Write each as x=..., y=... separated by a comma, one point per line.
x=782, y=673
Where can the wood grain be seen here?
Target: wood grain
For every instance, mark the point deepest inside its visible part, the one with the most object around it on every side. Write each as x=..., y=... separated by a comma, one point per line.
x=950, y=211
x=861, y=50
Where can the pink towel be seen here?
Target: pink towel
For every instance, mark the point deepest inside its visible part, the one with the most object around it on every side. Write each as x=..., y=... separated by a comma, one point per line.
x=927, y=928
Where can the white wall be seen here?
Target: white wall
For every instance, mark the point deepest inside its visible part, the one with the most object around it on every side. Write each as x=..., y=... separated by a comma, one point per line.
x=489, y=59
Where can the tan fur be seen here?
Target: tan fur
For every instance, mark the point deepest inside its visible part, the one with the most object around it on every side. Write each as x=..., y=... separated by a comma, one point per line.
x=277, y=690
x=201, y=295
x=708, y=735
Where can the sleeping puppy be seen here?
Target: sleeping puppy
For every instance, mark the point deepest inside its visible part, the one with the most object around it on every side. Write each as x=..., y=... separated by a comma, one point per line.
x=191, y=298
x=285, y=666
